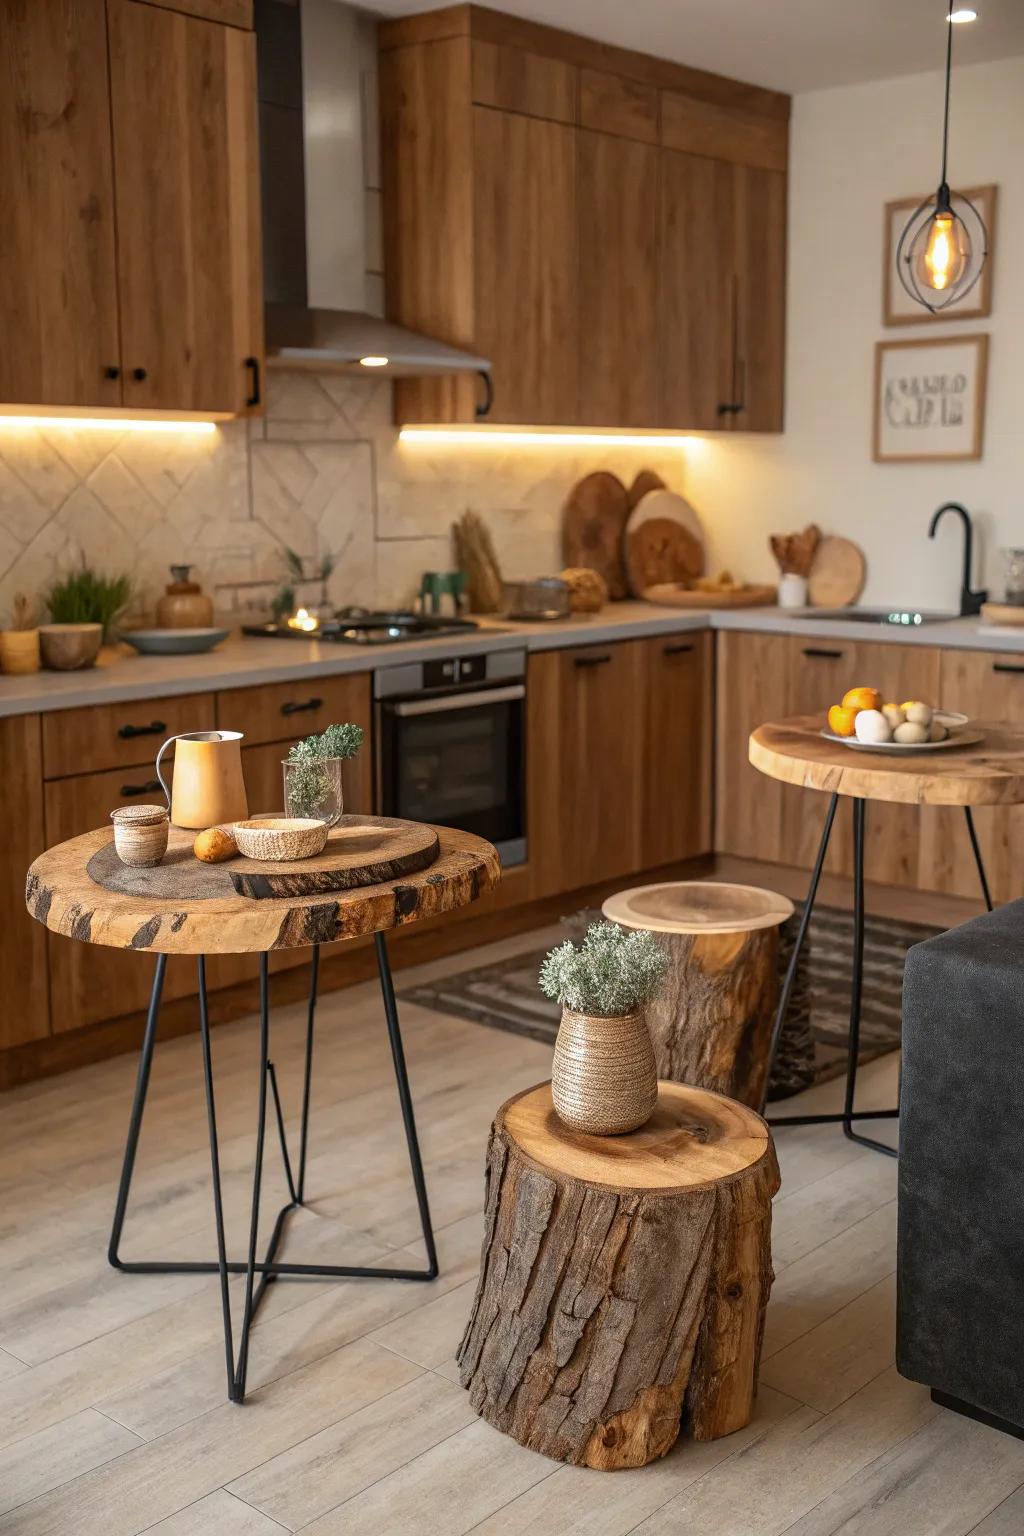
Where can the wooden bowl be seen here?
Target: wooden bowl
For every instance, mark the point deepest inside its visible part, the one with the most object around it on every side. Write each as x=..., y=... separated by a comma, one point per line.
x=277, y=838
x=66, y=647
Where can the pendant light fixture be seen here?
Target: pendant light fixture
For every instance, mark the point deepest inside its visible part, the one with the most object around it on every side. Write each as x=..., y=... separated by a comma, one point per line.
x=945, y=243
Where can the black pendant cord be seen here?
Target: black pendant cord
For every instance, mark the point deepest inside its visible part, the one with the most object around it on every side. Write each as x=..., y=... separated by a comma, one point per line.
x=944, y=185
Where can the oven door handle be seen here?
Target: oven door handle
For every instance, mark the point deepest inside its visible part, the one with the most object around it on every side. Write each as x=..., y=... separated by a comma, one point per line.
x=458, y=701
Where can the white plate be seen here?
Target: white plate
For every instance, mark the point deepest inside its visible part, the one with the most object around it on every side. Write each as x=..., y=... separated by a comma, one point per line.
x=956, y=738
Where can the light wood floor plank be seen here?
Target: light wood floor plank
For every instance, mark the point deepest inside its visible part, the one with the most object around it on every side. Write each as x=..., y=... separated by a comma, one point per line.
x=842, y=1354
x=1007, y=1519
x=219, y=1514
x=43, y=1461
x=812, y=1289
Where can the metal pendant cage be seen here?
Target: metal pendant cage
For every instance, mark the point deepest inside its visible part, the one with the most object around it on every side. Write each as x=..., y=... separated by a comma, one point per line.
x=968, y=232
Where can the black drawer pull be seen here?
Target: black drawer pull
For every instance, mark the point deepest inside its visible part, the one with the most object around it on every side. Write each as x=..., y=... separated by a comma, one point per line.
x=813, y=650
x=591, y=661
x=301, y=709
x=149, y=788
x=677, y=650
x=154, y=728
x=254, y=396
x=1005, y=666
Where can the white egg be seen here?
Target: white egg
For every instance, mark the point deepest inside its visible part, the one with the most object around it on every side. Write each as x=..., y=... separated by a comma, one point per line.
x=918, y=713
x=894, y=713
x=937, y=731
x=872, y=726
x=910, y=732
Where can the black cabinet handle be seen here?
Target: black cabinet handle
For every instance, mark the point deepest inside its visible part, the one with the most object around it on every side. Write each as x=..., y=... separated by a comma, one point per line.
x=484, y=408
x=253, y=365
x=677, y=650
x=301, y=709
x=138, y=374
x=154, y=728
x=591, y=661
x=813, y=650
x=149, y=788
x=112, y=371
x=1005, y=666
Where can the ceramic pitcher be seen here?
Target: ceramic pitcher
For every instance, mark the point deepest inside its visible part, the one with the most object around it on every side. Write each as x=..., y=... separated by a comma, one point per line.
x=208, y=787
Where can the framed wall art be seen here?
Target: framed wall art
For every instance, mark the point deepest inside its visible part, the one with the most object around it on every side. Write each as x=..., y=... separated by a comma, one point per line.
x=930, y=399
x=898, y=308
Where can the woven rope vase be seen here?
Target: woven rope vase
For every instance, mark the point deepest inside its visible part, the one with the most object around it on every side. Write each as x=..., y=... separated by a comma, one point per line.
x=604, y=1081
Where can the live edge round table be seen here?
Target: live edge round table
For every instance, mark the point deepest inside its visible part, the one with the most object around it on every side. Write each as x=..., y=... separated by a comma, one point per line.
x=988, y=772
x=61, y=893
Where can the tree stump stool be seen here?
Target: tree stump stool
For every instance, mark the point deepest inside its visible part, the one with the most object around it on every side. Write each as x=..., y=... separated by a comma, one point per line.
x=711, y=1021
x=623, y=1280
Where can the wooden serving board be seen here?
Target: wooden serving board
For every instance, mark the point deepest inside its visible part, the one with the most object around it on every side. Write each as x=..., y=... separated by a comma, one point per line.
x=672, y=595
x=1002, y=613
x=361, y=850
x=663, y=542
x=593, y=522
x=838, y=573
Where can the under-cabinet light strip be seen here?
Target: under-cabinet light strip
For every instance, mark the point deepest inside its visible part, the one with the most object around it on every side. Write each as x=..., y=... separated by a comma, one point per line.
x=494, y=436
x=106, y=424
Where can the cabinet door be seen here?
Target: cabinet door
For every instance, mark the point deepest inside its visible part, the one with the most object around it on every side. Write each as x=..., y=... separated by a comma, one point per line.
x=618, y=282
x=697, y=290
x=25, y=1013
x=990, y=687
x=188, y=240
x=89, y=982
x=58, y=284
x=676, y=749
x=584, y=764
x=760, y=270
x=750, y=685
x=526, y=265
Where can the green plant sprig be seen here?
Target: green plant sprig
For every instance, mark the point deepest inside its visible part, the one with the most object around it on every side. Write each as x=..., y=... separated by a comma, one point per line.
x=614, y=971
x=83, y=597
x=337, y=741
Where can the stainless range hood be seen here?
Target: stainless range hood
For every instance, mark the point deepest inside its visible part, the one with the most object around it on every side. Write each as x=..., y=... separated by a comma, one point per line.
x=317, y=75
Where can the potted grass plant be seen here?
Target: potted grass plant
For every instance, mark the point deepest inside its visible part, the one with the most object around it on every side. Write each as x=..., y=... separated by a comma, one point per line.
x=312, y=773
x=83, y=606
x=604, y=1080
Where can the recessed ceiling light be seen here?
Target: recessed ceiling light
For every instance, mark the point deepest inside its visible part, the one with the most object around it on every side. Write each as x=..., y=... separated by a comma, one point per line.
x=374, y=362
x=962, y=13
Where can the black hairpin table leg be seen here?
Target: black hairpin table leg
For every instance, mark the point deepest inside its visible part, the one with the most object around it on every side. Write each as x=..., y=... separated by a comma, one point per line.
x=976, y=850
x=260, y=1272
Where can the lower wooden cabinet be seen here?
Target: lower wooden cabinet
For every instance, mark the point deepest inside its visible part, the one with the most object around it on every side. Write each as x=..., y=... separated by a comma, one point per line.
x=618, y=743
x=23, y=977
x=752, y=672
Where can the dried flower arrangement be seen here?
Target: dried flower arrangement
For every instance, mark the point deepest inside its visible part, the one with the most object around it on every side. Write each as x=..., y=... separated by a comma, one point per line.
x=615, y=971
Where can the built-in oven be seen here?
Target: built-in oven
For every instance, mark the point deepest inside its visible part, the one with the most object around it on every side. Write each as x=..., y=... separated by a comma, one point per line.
x=450, y=745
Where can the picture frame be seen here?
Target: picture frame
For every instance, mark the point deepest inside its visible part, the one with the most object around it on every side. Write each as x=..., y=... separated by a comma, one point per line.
x=898, y=308
x=929, y=404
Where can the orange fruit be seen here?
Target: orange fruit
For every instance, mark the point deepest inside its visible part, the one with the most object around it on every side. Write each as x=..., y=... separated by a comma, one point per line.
x=862, y=698
x=841, y=719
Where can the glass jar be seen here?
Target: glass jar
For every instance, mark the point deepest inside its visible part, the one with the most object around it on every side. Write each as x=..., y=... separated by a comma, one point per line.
x=1013, y=570
x=313, y=789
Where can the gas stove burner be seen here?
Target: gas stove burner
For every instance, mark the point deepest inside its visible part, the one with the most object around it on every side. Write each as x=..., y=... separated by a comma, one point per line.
x=360, y=626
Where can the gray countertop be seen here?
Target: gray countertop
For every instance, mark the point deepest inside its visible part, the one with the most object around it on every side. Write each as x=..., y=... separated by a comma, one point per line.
x=244, y=662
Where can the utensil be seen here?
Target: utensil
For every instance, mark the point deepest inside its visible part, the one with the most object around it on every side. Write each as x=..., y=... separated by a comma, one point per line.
x=593, y=523
x=68, y=647
x=663, y=542
x=545, y=597
x=276, y=838
x=173, y=641
x=837, y=575
x=956, y=738
x=208, y=788
x=140, y=834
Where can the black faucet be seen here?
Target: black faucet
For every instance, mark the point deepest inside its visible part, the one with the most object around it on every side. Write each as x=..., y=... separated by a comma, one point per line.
x=970, y=602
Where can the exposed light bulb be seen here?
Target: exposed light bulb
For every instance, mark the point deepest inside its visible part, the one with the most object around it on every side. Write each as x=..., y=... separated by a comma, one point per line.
x=946, y=253
x=374, y=362
x=962, y=13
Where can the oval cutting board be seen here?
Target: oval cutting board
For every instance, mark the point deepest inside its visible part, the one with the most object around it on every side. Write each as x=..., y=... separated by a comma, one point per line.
x=664, y=542
x=593, y=522
x=837, y=574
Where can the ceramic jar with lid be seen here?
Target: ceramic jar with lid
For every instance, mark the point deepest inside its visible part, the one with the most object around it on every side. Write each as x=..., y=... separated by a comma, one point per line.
x=184, y=604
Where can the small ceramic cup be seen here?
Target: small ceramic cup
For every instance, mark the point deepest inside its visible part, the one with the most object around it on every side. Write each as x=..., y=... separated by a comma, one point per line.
x=140, y=834
x=792, y=590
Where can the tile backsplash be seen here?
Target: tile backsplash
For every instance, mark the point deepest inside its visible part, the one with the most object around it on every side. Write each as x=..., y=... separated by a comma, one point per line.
x=322, y=472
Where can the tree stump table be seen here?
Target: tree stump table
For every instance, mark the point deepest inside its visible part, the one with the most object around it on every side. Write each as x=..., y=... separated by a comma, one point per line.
x=624, y=1280
x=711, y=1020
x=80, y=889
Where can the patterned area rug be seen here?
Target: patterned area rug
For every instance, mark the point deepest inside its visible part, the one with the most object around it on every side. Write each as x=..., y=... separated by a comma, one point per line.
x=505, y=995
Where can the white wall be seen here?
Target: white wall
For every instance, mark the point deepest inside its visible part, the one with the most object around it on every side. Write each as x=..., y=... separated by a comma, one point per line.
x=852, y=149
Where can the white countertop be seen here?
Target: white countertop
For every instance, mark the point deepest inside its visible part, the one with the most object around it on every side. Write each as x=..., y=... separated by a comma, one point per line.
x=245, y=662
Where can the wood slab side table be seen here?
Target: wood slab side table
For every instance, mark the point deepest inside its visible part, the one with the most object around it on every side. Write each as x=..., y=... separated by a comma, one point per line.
x=202, y=915
x=990, y=772
x=624, y=1279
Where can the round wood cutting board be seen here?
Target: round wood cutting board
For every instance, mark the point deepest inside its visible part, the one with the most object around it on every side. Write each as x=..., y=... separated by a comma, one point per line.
x=593, y=523
x=663, y=543
x=837, y=574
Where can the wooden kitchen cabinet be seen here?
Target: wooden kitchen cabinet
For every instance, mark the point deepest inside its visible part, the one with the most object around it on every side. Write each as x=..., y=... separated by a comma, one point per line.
x=183, y=108
x=121, y=735
x=232, y=13
x=751, y=686
x=759, y=264
x=697, y=290
x=58, y=286
x=288, y=711
x=677, y=741
x=24, y=985
x=618, y=281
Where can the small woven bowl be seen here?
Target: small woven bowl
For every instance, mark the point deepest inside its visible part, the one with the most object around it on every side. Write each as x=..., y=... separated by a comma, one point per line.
x=276, y=838
x=140, y=834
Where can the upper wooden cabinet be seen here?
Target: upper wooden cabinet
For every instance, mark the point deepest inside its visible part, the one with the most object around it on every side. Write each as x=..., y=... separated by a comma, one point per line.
x=607, y=228
x=130, y=272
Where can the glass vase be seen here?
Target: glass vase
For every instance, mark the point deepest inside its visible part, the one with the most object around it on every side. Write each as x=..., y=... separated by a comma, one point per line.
x=313, y=790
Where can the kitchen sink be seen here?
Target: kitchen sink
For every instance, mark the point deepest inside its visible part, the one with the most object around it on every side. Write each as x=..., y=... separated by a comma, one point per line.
x=910, y=617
